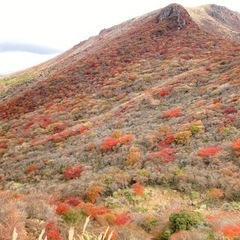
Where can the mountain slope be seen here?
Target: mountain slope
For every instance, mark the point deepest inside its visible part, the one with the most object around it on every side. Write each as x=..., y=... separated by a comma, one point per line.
x=154, y=101
x=218, y=20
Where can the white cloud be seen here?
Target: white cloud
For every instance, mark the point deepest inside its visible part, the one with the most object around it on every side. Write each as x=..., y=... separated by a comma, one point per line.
x=16, y=61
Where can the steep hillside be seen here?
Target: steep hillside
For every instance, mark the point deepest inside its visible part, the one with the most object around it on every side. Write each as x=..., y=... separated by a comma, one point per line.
x=218, y=20
x=128, y=127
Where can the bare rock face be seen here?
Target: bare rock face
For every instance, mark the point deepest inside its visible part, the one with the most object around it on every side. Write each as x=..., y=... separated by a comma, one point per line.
x=175, y=15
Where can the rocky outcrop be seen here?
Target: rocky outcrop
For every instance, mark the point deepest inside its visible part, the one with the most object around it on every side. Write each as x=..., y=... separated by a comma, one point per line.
x=175, y=15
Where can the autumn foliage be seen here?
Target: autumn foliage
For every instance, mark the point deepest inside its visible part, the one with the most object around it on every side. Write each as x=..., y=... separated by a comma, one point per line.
x=122, y=219
x=94, y=194
x=216, y=193
x=145, y=102
x=138, y=189
x=108, y=143
x=231, y=231
x=94, y=210
x=62, y=208
x=52, y=232
x=236, y=146
x=73, y=171
x=175, y=112
x=163, y=92
x=209, y=151
x=165, y=155
x=31, y=168
x=126, y=138
x=72, y=201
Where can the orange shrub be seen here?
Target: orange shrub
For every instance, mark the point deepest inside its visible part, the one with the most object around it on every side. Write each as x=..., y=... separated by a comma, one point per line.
x=138, y=189
x=133, y=157
x=126, y=138
x=31, y=168
x=209, y=151
x=109, y=143
x=175, y=112
x=117, y=133
x=94, y=194
x=93, y=210
x=216, y=193
x=231, y=231
x=236, y=146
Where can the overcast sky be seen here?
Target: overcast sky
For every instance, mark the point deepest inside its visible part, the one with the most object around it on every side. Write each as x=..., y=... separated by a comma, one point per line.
x=32, y=31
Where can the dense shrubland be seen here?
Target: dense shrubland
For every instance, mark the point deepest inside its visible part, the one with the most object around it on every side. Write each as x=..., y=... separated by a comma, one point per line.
x=129, y=133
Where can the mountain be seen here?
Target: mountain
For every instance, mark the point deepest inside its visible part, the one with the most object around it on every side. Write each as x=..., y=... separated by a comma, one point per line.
x=218, y=20
x=137, y=127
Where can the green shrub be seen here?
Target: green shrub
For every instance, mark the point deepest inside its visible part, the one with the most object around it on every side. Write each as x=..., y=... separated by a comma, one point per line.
x=74, y=216
x=185, y=220
x=182, y=220
x=166, y=234
x=196, y=127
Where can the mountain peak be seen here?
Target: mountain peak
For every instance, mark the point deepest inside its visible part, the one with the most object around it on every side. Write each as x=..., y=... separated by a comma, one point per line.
x=176, y=14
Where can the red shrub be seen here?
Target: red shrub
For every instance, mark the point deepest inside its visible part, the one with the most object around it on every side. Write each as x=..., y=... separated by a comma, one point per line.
x=231, y=231
x=230, y=109
x=44, y=122
x=122, y=219
x=236, y=146
x=163, y=92
x=138, y=189
x=82, y=129
x=62, y=208
x=209, y=151
x=72, y=201
x=3, y=145
x=51, y=231
x=109, y=143
x=73, y=171
x=175, y=112
x=31, y=168
x=165, y=155
x=168, y=140
x=59, y=127
x=230, y=118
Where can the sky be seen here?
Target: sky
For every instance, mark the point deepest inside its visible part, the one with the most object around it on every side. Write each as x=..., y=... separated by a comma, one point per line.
x=33, y=31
